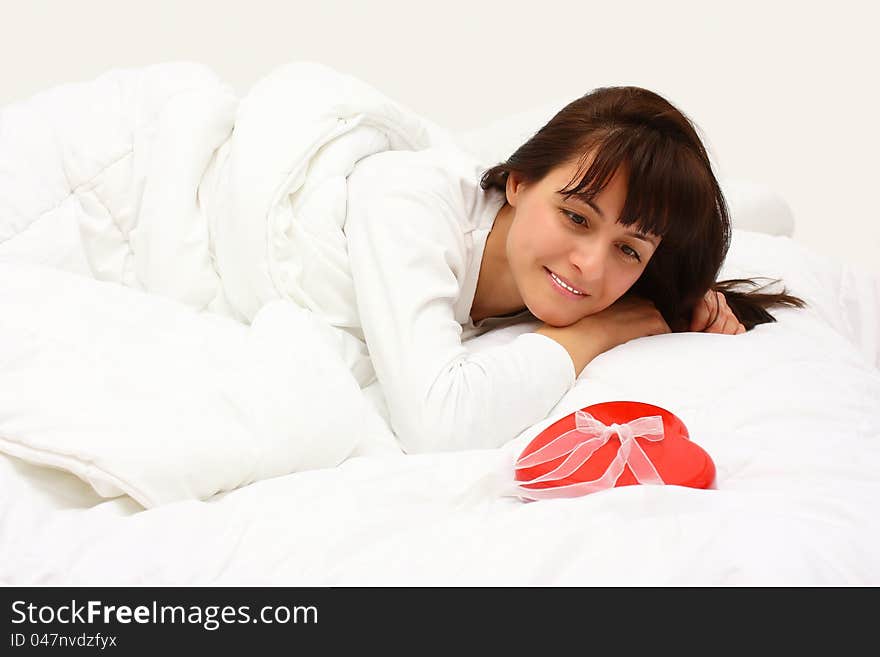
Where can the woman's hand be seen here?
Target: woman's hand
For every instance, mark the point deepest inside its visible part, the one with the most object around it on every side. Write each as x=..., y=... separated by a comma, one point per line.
x=725, y=323
x=628, y=318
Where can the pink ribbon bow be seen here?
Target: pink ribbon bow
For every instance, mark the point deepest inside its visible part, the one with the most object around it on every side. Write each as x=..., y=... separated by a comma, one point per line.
x=580, y=444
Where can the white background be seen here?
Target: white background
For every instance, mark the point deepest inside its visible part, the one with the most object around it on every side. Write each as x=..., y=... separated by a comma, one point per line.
x=785, y=94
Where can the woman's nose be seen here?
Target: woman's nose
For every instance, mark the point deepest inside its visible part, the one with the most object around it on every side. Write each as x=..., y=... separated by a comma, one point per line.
x=590, y=260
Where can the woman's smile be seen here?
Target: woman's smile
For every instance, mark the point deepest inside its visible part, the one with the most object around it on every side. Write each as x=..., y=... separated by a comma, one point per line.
x=563, y=288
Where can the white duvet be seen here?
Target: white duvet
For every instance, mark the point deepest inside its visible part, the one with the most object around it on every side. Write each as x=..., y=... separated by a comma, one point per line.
x=243, y=447
x=163, y=181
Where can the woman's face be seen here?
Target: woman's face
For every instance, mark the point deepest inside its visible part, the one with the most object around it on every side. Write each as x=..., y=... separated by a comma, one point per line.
x=583, y=246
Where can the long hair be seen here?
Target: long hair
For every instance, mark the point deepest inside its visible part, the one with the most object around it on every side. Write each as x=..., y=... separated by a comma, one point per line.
x=671, y=192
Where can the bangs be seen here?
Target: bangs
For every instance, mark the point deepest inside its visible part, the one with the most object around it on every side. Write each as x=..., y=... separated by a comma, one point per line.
x=668, y=193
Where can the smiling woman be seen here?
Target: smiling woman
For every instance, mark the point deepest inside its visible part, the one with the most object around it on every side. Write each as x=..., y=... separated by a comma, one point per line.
x=607, y=225
x=630, y=172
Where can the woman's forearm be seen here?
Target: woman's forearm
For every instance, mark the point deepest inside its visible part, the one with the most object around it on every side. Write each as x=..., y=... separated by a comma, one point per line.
x=581, y=344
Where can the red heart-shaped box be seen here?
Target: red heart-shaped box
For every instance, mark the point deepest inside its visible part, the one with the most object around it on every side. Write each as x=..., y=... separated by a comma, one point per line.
x=677, y=460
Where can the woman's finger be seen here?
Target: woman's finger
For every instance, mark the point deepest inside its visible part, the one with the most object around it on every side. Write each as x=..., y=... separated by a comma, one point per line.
x=725, y=324
x=704, y=312
x=713, y=315
x=717, y=327
x=730, y=325
x=700, y=316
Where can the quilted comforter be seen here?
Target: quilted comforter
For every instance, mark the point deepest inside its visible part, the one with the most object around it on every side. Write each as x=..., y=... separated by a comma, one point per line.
x=222, y=219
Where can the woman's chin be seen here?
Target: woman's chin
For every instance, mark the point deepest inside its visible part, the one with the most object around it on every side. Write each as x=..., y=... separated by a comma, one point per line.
x=552, y=317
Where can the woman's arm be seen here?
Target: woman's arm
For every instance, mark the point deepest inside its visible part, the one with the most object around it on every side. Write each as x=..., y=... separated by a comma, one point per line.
x=628, y=318
x=408, y=257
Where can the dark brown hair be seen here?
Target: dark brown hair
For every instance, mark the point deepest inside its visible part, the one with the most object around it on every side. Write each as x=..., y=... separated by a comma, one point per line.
x=671, y=192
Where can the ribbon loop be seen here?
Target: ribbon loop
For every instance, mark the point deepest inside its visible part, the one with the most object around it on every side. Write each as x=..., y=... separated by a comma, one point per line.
x=579, y=444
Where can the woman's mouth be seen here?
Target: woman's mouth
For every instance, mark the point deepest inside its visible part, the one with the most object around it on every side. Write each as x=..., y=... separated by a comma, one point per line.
x=564, y=288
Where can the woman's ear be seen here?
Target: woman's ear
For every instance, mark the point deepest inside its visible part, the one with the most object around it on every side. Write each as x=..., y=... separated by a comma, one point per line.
x=513, y=189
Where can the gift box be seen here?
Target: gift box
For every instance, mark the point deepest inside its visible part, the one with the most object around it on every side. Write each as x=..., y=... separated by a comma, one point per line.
x=617, y=443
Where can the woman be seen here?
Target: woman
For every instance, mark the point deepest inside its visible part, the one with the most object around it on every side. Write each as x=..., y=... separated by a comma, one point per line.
x=607, y=225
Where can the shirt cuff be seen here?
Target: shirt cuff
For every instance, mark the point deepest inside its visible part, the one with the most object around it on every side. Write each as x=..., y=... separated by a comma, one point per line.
x=552, y=355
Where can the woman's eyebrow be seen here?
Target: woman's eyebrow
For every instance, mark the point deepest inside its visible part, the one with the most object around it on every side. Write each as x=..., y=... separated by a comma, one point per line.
x=585, y=201
x=640, y=236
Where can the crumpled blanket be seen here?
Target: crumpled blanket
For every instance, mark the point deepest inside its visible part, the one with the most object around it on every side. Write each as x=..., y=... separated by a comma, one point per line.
x=162, y=180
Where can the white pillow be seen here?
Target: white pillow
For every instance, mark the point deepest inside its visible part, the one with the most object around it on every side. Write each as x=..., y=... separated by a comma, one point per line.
x=139, y=394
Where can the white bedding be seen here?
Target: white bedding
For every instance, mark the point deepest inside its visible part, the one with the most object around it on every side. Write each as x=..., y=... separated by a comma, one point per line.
x=788, y=411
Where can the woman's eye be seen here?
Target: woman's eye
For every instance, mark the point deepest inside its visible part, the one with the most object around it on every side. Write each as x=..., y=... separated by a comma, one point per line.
x=575, y=218
x=581, y=221
x=630, y=252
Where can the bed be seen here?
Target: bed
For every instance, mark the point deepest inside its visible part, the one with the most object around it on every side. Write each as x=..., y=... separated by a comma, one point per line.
x=107, y=478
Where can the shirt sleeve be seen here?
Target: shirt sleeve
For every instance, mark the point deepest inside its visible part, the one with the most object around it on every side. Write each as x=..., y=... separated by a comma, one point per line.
x=408, y=256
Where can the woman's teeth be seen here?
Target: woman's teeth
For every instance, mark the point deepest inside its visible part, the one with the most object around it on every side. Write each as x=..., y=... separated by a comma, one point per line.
x=567, y=287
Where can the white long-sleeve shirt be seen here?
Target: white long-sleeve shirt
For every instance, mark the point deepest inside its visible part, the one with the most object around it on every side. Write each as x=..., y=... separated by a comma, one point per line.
x=416, y=228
